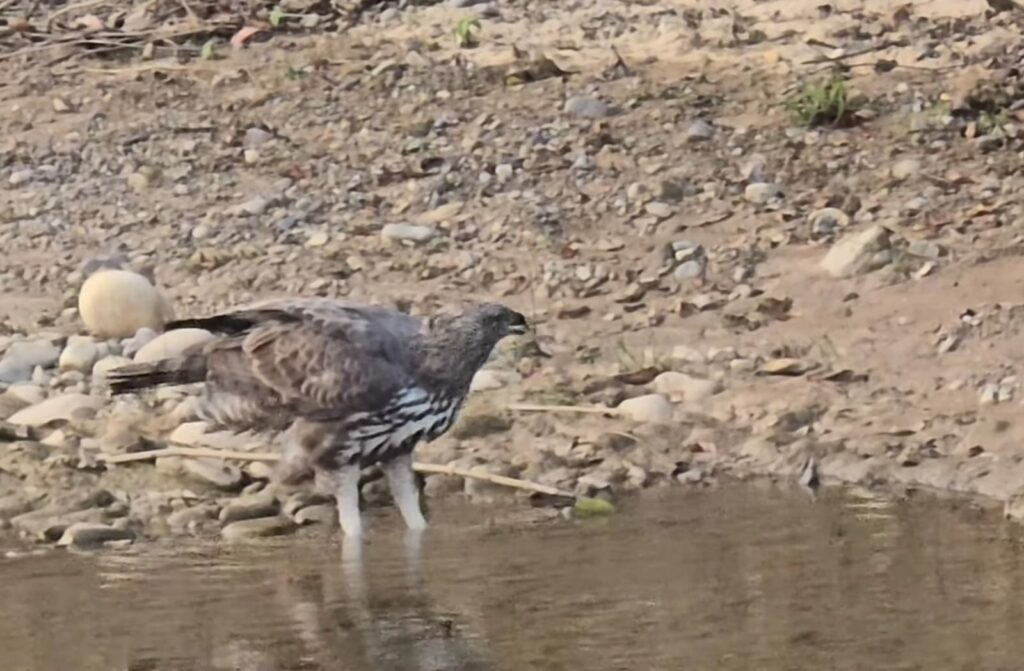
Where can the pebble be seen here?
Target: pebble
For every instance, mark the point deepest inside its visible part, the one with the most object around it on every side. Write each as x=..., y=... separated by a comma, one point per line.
x=117, y=303
x=140, y=339
x=254, y=206
x=261, y=527
x=171, y=344
x=649, y=408
x=925, y=249
x=12, y=370
x=688, y=354
x=905, y=169
x=57, y=408
x=656, y=208
x=191, y=516
x=408, y=233
x=688, y=270
x=586, y=107
x=760, y=193
x=255, y=136
x=827, y=221
x=686, y=387
x=19, y=177
x=321, y=513
x=34, y=353
x=80, y=353
x=487, y=379
x=855, y=253
x=215, y=472
x=249, y=507
x=85, y=534
x=699, y=131
x=29, y=394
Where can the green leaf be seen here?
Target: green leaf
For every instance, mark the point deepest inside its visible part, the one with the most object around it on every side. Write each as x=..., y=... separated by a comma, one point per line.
x=276, y=16
x=207, y=52
x=586, y=506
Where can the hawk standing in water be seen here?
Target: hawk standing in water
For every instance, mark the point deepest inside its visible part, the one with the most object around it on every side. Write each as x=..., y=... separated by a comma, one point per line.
x=351, y=385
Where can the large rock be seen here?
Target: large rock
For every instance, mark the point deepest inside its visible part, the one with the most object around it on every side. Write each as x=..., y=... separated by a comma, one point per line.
x=171, y=344
x=117, y=303
x=58, y=408
x=858, y=253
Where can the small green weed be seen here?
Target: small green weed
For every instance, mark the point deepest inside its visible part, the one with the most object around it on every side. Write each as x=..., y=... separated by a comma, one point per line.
x=822, y=103
x=990, y=122
x=465, y=32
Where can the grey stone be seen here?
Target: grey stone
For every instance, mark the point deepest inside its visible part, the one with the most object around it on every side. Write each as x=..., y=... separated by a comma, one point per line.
x=905, y=168
x=34, y=353
x=827, y=221
x=19, y=177
x=857, y=253
x=249, y=507
x=57, y=408
x=215, y=472
x=408, y=233
x=586, y=107
x=84, y=534
x=699, y=131
x=261, y=527
x=79, y=354
x=760, y=193
x=321, y=513
x=12, y=370
x=925, y=249
x=688, y=270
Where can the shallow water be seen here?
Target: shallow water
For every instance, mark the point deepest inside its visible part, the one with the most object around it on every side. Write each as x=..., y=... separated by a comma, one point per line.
x=742, y=577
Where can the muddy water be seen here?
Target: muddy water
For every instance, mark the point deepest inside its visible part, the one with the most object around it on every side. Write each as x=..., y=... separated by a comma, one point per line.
x=744, y=577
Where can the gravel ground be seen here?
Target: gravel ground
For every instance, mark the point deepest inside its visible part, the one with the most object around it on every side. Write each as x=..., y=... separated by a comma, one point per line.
x=743, y=291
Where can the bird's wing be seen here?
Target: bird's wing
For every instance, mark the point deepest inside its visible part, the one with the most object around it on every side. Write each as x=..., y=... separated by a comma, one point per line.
x=319, y=358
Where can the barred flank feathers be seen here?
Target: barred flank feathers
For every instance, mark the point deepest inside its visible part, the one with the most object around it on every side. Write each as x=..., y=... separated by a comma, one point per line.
x=136, y=376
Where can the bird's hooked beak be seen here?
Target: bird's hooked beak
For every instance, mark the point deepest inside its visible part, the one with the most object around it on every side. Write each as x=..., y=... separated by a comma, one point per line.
x=518, y=325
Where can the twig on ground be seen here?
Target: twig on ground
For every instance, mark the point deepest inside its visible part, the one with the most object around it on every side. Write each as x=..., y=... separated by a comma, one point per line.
x=435, y=469
x=71, y=8
x=582, y=409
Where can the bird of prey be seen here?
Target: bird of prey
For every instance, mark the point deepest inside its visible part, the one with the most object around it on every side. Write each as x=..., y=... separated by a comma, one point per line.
x=349, y=385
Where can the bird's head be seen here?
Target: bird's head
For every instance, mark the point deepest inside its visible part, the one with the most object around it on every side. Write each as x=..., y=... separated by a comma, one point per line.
x=479, y=325
x=457, y=345
x=499, y=321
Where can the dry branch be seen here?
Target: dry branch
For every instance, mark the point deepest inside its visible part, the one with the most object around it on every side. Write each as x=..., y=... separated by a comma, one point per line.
x=433, y=469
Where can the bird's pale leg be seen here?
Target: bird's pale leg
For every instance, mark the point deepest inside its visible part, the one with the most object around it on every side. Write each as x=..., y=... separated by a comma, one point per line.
x=347, y=495
x=402, y=482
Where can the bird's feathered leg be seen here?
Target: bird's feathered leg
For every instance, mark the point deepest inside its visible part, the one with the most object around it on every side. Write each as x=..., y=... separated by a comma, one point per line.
x=402, y=481
x=344, y=484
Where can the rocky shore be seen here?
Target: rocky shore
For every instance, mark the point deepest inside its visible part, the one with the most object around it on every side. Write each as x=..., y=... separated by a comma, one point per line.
x=723, y=284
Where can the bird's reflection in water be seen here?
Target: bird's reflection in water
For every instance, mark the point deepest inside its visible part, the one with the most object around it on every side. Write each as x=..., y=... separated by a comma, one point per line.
x=347, y=620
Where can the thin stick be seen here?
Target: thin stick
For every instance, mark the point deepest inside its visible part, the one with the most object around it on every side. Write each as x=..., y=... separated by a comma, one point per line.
x=586, y=409
x=72, y=7
x=186, y=452
x=435, y=469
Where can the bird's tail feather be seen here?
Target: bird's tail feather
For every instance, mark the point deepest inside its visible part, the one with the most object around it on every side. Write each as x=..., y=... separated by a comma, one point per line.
x=135, y=376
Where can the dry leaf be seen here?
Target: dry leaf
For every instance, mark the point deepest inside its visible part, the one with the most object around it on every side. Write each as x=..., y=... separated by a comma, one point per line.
x=239, y=39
